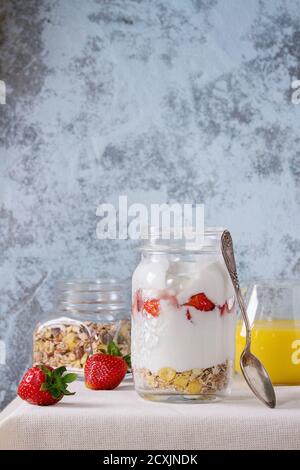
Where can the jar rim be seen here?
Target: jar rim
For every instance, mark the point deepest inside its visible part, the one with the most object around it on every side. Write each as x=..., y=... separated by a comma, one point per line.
x=89, y=285
x=98, y=295
x=206, y=241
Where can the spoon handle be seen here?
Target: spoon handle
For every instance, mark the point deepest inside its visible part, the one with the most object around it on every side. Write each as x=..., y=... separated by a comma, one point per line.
x=228, y=255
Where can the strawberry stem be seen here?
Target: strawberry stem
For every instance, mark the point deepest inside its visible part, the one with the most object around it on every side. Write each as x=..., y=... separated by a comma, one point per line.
x=114, y=350
x=56, y=382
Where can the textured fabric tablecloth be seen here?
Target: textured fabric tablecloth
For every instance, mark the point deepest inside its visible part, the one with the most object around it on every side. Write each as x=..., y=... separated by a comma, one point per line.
x=120, y=419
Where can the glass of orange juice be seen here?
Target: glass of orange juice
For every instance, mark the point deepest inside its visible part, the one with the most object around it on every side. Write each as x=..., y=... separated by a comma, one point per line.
x=273, y=308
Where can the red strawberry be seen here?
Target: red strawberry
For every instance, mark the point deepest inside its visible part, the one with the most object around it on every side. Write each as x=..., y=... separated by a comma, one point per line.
x=200, y=302
x=137, y=301
x=172, y=299
x=188, y=315
x=106, y=371
x=43, y=385
x=152, y=307
x=223, y=308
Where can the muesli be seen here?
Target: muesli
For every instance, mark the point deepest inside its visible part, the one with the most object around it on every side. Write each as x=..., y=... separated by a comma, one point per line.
x=195, y=381
x=70, y=345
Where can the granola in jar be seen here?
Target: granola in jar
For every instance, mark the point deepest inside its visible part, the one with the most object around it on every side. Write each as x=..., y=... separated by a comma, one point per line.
x=89, y=316
x=70, y=345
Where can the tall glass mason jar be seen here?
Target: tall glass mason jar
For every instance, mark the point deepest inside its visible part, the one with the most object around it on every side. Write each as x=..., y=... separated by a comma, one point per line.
x=183, y=320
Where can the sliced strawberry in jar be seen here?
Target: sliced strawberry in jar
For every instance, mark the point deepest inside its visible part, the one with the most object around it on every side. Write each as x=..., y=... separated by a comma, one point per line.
x=137, y=305
x=223, y=308
x=188, y=315
x=170, y=298
x=200, y=302
x=152, y=307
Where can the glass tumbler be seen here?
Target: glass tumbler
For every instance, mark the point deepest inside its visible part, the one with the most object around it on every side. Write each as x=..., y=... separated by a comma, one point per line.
x=273, y=309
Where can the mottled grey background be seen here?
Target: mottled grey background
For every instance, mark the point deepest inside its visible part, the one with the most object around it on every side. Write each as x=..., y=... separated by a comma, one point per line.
x=162, y=100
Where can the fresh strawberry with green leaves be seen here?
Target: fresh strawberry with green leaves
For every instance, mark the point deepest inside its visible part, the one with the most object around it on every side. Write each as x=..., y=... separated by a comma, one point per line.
x=43, y=385
x=200, y=302
x=106, y=371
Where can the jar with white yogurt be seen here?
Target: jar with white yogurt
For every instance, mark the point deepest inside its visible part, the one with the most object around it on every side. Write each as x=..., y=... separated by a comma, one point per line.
x=183, y=320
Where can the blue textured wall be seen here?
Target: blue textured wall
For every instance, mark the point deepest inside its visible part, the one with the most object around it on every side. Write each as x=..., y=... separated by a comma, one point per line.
x=163, y=100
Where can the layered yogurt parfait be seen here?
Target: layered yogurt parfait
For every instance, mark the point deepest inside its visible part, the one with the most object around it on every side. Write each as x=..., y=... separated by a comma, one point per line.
x=183, y=323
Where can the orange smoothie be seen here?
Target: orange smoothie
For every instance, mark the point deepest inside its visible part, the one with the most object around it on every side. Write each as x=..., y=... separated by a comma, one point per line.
x=277, y=344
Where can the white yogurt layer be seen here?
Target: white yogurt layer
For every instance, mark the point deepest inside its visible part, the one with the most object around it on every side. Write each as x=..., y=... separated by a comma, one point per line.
x=171, y=340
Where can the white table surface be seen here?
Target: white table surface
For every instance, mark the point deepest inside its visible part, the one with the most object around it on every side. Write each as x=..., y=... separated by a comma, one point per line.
x=120, y=419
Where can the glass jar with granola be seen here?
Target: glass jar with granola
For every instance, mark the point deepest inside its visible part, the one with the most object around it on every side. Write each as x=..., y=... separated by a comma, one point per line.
x=89, y=315
x=183, y=320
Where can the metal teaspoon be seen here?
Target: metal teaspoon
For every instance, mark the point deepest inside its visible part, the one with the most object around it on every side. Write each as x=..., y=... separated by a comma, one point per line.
x=253, y=371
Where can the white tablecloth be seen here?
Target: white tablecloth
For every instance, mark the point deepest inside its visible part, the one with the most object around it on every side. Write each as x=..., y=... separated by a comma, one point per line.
x=120, y=419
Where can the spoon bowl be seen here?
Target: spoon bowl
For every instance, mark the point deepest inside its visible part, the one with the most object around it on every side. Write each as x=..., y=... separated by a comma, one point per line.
x=257, y=378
